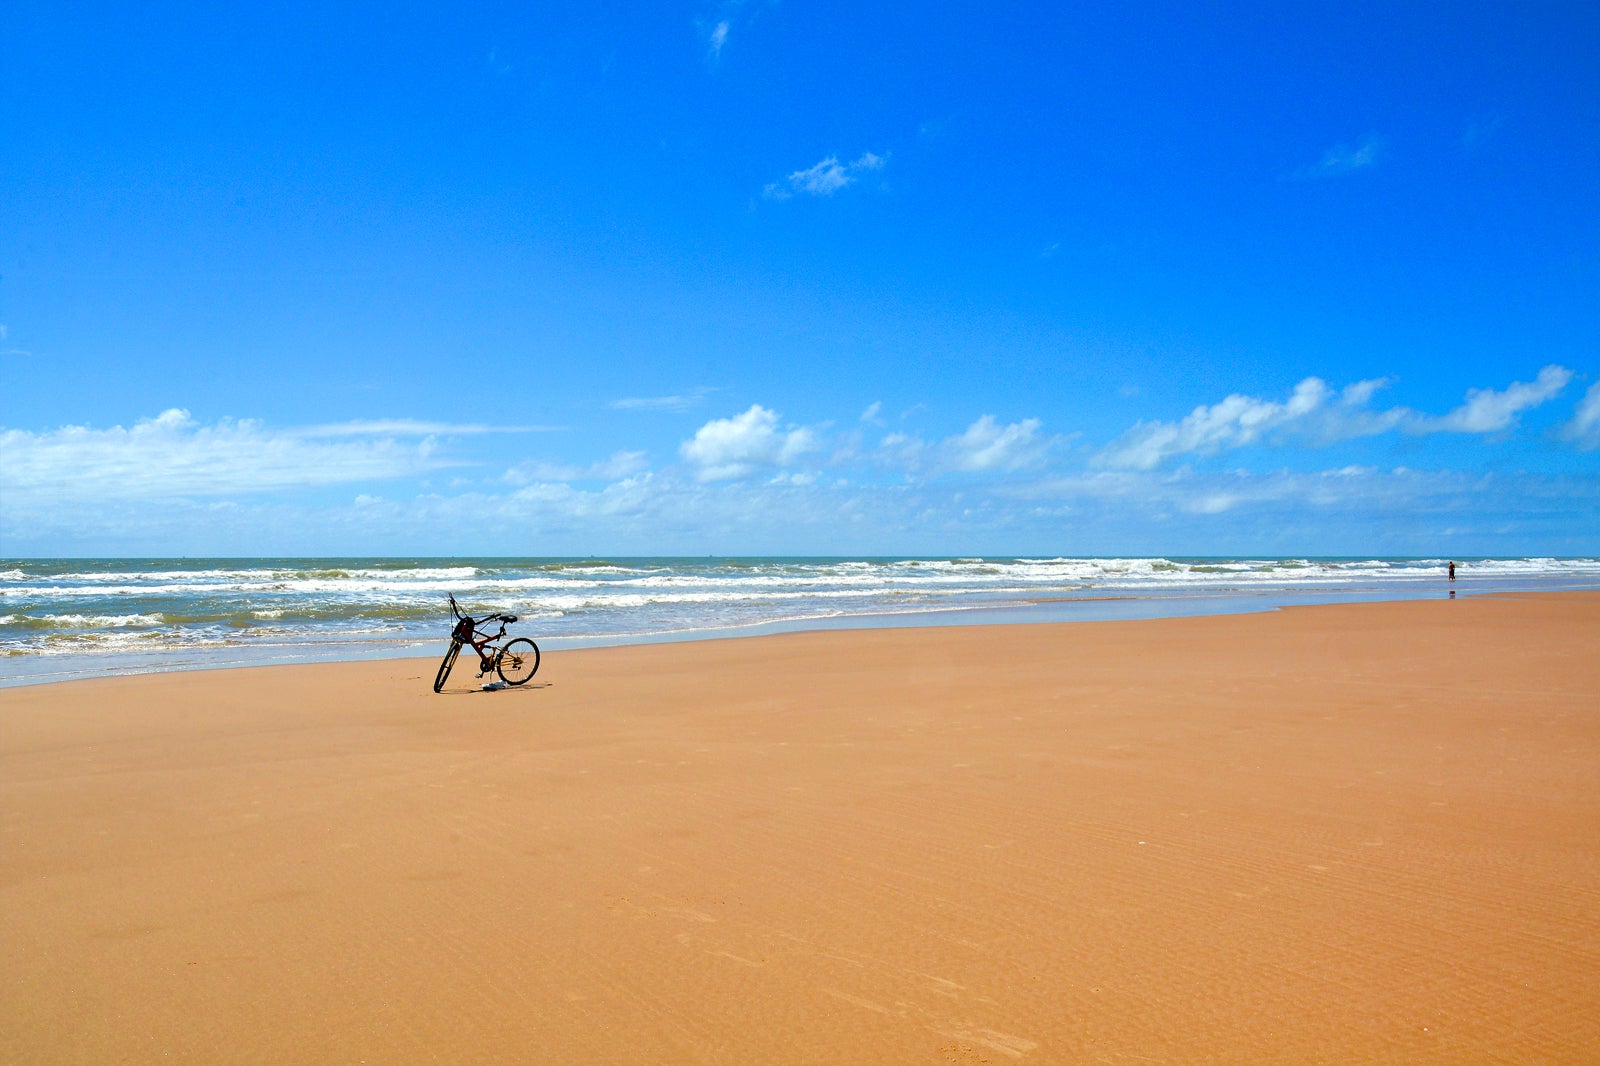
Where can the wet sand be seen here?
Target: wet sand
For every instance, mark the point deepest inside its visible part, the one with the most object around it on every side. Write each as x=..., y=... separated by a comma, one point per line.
x=1352, y=833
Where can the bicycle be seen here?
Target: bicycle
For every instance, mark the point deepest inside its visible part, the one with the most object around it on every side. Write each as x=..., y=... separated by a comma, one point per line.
x=515, y=661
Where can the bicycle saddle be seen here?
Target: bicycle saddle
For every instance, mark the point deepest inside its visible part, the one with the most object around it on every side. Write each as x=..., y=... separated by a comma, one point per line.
x=508, y=618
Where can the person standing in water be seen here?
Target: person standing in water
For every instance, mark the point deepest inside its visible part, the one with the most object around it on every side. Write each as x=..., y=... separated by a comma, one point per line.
x=1452, y=571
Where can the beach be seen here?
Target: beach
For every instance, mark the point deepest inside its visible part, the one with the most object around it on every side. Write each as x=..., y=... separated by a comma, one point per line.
x=1364, y=832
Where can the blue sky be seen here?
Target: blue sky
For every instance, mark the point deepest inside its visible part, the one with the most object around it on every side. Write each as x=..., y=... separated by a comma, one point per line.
x=800, y=278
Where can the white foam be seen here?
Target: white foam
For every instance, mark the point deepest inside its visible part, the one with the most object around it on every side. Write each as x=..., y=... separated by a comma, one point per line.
x=102, y=621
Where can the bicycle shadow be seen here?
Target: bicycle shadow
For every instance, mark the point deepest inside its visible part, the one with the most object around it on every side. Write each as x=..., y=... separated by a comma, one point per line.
x=494, y=691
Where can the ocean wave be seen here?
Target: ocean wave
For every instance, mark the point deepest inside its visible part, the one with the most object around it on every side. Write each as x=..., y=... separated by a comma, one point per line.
x=264, y=586
x=588, y=565
x=121, y=607
x=249, y=575
x=753, y=597
x=392, y=588
x=169, y=639
x=448, y=573
x=81, y=621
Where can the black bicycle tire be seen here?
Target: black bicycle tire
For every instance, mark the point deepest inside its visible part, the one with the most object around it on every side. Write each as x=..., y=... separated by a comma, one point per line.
x=444, y=667
x=520, y=656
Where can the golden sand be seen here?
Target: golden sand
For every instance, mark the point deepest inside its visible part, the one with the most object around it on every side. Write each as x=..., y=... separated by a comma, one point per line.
x=1330, y=834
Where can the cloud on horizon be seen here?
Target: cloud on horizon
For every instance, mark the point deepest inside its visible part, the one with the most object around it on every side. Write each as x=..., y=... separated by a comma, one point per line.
x=172, y=455
x=403, y=427
x=753, y=474
x=620, y=465
x=1102, y=512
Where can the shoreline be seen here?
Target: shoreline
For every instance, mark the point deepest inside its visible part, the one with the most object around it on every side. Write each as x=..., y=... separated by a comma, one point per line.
x=1358, y=832
x=1043, y=610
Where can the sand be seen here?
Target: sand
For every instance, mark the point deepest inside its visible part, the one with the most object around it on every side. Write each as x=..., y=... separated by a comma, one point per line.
x=1330, y=834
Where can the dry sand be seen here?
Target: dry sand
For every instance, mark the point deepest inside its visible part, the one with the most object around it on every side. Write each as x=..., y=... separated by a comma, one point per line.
x=1331, y=834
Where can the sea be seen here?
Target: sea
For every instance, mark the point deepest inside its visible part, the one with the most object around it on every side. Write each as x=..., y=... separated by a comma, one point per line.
x=63, y=619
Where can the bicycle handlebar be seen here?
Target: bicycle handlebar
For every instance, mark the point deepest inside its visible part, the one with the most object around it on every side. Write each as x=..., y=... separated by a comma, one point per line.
x=462, y=619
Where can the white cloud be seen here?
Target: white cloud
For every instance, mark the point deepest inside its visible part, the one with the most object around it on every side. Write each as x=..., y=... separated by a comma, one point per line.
x=985, y=447
x=727, y=448
x=1233, y=422
x=1345, y=159
x=169, y=483
x=662, y=403
x=1361, y=392
x=903, y=449
x=620, y=465
x=172, y=455
x=1212, y=503
x=409, y=427
x=988, y=446
x=1486, y=410
x=1313, y=412
x=719, y=37
x=824, y=178
x=1336, y=511
x=1351, y=490
x=1349, y=416
x=1584, y=429
x=807, y=509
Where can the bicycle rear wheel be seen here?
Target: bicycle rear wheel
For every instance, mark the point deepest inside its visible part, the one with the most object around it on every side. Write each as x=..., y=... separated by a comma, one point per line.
x=518, y=661
x=444, y=667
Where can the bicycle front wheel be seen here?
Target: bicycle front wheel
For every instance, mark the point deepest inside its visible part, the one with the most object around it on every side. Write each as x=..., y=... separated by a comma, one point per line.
x=518, y=661
x=444, y=667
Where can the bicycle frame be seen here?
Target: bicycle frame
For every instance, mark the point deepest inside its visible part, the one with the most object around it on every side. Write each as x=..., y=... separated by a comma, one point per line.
x=467, y=632
x=482, y=643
